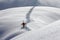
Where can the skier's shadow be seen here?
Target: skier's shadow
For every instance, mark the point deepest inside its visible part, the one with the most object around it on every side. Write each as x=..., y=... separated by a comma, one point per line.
x=26, y=28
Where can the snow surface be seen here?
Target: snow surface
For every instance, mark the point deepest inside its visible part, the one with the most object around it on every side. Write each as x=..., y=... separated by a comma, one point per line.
x=36, y=18
x=50, y=32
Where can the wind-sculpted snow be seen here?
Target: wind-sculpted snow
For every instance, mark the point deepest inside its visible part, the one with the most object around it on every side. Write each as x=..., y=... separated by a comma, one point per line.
x=41, y=16
x=50, y=32
x=37, y=18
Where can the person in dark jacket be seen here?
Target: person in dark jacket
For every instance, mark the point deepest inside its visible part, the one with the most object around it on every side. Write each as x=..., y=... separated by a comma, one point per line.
x=23, y=24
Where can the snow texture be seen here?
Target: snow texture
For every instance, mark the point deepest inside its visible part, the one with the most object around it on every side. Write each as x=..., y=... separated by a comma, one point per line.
x=36, y=18
x=50, y=32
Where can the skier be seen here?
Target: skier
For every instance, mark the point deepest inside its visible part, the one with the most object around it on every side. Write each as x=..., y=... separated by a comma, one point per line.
x=23, y=24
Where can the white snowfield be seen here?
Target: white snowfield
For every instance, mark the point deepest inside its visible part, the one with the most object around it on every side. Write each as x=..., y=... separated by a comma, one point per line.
x=50, y=32
x=36, y=18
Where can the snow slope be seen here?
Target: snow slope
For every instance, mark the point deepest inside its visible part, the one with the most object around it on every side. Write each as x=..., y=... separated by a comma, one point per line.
x=36, y=18
x=41, y=15
x=50, y=32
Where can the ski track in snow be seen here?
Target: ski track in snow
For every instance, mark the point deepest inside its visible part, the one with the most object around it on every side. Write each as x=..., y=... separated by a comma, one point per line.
x=28, y=14
x=50, y=32
x=40, y=16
